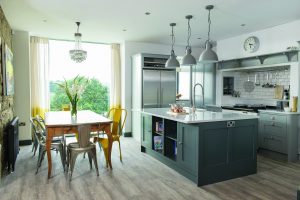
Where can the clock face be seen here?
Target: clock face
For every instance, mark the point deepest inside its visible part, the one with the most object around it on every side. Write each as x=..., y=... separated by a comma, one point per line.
x=251, y=44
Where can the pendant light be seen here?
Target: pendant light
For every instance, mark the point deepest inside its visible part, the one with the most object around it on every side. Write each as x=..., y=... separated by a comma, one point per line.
x=208, y=55
x=77, y=54
x=188, y=59
x=172, y=62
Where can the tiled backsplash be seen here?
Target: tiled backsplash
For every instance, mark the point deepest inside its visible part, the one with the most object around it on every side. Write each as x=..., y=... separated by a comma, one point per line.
x=278, y=77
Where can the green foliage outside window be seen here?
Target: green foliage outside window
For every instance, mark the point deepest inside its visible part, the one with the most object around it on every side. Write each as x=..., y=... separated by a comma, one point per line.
x=95, y=96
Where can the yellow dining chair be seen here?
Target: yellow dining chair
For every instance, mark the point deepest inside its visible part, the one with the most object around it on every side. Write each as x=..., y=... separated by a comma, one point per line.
x=116, y=130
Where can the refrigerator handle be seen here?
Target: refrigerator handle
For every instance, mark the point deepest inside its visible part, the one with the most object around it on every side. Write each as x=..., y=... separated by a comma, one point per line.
x=162, y=96
x=157, y=97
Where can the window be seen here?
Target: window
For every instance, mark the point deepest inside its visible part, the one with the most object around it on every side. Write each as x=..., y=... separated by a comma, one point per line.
x=96, y=68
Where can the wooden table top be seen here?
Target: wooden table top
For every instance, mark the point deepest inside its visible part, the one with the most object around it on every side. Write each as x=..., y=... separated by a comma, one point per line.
x=63, y=118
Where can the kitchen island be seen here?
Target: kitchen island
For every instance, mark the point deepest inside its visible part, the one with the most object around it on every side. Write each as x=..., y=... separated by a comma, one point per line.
x=204, y=146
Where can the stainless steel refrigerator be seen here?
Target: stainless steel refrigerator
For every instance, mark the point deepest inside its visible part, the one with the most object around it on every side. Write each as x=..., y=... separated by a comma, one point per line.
x=153, y=86
x=159, y=88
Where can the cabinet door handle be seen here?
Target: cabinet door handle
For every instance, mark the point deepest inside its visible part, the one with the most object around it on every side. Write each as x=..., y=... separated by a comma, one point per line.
x=180, y=143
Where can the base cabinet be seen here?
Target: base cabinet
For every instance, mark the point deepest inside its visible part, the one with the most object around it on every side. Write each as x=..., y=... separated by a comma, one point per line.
x=227, y=152
x=279, y=133
x=187, y=155
x=205, y=152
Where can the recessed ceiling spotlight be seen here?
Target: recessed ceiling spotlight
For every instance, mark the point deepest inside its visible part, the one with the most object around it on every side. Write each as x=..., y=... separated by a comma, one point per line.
x=45, y=20
x=243, y=24
x=147, y=13
x=124, y=30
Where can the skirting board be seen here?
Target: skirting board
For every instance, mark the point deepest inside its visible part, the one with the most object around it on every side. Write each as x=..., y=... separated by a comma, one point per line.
x=25, y=142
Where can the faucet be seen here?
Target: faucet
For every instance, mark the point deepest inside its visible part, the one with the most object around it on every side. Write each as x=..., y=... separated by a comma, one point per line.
x=193, y=102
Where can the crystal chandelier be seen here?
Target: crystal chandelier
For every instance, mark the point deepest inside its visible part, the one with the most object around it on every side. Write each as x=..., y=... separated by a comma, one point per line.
x=77, y=54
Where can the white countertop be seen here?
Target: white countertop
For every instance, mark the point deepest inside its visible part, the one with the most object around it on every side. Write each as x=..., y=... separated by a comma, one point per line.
x=278, y=112
x=198, y=116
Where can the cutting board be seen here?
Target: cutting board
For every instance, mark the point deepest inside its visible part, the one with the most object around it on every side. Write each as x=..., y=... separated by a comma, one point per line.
x=278, y=92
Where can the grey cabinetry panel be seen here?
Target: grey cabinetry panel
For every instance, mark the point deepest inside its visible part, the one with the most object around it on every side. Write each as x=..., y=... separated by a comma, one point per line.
x=168, y=87
x=273, y=132
x=215, y=144
x=151, y=88
x=187, y=145
x=146, y=136
x=226, y=152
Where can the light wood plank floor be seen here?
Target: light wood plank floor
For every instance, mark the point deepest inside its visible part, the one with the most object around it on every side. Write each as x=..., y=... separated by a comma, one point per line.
x=142, y=177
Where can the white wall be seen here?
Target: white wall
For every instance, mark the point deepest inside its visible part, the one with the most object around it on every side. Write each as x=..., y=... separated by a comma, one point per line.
x=272, y=40
x=130, y=48
x=22, y=82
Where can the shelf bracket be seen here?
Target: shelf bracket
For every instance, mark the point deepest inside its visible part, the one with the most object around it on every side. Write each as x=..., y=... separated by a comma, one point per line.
x=262, y=59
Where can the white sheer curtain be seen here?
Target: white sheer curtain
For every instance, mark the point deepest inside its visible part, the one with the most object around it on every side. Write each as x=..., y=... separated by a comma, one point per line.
x=39, y=65
x=115, y=87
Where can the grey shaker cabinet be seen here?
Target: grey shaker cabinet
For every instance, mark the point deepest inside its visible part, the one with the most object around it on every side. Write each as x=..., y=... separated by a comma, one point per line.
x=279, y=132
x=187, y=145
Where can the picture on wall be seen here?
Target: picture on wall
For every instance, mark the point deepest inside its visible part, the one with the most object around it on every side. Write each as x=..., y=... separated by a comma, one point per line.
x=8, y=71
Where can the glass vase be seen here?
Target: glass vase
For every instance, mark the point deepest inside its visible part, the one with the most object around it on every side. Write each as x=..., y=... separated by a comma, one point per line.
x=73, y=109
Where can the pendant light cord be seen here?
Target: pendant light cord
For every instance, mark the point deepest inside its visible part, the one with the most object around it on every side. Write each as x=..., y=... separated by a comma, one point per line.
x=173, y=38
x=209, y=23
x=189, y=33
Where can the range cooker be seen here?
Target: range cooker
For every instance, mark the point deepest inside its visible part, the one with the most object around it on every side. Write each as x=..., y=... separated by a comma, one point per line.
x=247, y=107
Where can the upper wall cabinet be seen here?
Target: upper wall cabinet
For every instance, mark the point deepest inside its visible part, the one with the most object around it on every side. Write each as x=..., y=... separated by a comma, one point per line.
x=267, y=60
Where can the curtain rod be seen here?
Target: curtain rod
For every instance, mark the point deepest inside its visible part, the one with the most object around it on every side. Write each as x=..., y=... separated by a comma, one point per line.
x=73, y=40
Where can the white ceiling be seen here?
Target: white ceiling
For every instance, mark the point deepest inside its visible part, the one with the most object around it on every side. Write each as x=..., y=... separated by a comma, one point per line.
x=104, y=20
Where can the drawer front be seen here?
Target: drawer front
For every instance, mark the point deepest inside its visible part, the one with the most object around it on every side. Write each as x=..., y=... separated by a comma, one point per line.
x=273, y=143
x=273, y=118
x=273, y=128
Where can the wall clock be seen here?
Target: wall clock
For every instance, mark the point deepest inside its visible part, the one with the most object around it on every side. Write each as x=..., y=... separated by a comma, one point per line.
x=251, y=44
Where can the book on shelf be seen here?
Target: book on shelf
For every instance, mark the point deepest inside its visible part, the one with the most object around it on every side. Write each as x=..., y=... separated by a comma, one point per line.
x=158, y=142
x=159, y=127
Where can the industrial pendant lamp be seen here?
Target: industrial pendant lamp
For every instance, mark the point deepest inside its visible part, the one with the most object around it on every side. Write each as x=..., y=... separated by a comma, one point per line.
x=77, y=54
x=208, y=55
x=188, y=59
x=172, y=62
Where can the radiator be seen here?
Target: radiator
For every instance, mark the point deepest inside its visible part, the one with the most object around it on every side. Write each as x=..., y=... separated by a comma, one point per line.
x=11, y=147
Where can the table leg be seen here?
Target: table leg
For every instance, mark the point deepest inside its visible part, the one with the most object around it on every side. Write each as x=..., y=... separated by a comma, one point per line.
x=110, y=141
x=48, y=150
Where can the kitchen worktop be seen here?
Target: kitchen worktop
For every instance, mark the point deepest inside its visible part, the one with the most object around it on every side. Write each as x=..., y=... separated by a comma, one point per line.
x=278, y=112
x=200, y=116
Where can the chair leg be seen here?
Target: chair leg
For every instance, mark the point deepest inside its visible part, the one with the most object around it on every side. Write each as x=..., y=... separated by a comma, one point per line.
x=73, y=160
x=35, y=146
x=90, y=159
x=39, y=159
x=94, y=156
x=68, y=160
x=60, y=149
x=105, y=150
x=120, y=150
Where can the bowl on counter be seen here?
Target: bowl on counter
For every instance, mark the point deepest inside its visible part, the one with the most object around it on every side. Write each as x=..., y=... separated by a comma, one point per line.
x=287, y=109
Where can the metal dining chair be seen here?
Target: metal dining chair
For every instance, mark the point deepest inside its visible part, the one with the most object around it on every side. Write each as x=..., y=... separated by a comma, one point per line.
x=83, y=145
x=40, y=136
x=116, y=130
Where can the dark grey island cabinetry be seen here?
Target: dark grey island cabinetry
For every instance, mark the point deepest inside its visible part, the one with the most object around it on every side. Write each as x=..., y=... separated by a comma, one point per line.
x=206, y=147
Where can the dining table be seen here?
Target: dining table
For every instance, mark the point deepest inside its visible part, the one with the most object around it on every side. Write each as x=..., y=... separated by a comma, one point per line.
x=59, y=123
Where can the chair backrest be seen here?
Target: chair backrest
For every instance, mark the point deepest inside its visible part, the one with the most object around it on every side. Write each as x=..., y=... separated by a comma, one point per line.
x=116, y=115
x=84, y=132
x=39, y=129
